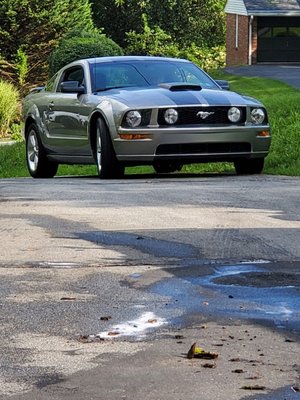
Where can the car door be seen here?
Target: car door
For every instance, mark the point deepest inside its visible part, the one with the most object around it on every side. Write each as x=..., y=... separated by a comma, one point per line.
x=66, y=117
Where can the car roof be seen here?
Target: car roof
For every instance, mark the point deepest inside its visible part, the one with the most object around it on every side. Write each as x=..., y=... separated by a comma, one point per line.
x=93, y=60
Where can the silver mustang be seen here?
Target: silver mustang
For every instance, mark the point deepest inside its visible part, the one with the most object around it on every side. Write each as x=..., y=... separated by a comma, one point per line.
x=122, y=111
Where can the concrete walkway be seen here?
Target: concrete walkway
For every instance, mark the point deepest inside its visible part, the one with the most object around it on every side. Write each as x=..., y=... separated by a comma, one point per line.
x=289, y=74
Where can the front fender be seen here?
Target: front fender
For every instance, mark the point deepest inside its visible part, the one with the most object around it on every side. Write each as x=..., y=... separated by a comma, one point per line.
x=32, y=115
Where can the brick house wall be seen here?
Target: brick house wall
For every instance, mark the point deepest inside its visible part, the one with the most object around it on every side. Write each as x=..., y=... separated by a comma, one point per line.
x=237, y=47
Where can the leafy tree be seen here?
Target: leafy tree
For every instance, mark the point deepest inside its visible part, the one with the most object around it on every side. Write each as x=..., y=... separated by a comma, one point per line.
x=30, y=29
x=187, y=21
x=117, y=18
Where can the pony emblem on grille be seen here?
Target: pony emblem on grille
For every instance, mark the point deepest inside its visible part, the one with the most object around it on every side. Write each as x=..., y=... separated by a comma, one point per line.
x=204, y=114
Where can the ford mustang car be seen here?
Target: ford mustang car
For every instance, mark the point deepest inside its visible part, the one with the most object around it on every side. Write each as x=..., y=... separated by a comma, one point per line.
x=121, y=111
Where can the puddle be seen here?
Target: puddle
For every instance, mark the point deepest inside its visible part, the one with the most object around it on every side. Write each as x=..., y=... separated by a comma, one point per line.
x=238, y=291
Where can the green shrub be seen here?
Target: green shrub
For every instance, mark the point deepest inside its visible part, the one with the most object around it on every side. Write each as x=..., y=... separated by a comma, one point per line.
x=21, y=64
x=9, y=107
x=207, y=58
x=84, y=46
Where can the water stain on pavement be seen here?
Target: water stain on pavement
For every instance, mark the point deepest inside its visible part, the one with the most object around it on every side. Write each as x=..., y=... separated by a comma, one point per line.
x=242, y=291
x=286, y=393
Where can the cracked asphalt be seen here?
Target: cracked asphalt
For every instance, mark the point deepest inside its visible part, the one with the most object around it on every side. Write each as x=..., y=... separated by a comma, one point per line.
x=106, y=284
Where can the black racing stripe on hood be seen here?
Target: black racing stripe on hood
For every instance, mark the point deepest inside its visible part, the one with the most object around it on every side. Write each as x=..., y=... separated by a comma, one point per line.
x=159, y=97
x=188, y=97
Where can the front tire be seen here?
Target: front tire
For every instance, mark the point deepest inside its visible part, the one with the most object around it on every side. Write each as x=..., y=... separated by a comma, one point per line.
x=166, y=167
x=107, y=164
x=37, y=162
x=249, y=167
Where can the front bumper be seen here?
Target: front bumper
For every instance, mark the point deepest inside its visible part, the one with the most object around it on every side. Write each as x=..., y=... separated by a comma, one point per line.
x=193, y=144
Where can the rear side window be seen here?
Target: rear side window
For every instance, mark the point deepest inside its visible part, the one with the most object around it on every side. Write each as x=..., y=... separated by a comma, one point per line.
x=52, y=83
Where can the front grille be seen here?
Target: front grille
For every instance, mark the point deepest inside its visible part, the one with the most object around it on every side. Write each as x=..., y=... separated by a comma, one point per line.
x=192, y=116
x=203, y=148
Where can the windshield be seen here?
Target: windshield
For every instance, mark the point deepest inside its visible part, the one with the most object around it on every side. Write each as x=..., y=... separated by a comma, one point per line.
x=110, y=75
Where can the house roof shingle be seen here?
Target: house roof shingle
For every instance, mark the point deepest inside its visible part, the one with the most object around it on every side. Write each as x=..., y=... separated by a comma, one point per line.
x=263, y=7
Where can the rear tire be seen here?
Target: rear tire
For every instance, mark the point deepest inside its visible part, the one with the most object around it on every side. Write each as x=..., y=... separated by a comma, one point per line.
x=37, y=162
x=249, y=167
x=107, y=164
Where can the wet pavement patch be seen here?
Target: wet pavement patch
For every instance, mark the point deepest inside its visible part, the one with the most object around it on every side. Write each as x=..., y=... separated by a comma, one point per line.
x=260, y=279
x=245, y=291
x=287, y=393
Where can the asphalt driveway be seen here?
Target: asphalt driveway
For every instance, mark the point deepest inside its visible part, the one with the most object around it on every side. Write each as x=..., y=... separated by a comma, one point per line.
x=289, y=74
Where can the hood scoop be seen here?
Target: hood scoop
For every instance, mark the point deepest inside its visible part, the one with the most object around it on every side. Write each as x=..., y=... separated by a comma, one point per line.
x=179, y=87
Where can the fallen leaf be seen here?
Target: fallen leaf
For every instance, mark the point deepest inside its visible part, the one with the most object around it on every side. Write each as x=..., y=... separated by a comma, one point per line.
x=105, y=318
x=191, y=351
x=253, y=377
x=152, y=321
x=68, y=298
x=179, y=337
x=254, y=387
x=197, y=352
x=238, y=371
x=90, y=338
x=83, y=338
x=113, y=333
x=208, y=365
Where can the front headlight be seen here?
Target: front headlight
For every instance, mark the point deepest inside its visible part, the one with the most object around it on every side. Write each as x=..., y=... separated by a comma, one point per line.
x=234, y=114
x=133, y=118
x=257, y=116
x=171, y=116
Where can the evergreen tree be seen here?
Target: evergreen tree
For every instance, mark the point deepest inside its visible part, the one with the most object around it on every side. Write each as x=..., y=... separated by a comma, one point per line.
x=30, y=29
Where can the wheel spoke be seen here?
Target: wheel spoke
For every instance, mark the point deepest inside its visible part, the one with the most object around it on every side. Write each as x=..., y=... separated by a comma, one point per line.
x=33, y=151
x=99, y=156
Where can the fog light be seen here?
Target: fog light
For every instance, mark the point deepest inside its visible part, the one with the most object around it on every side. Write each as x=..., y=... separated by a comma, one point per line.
x=234, y=114
x=171, y=116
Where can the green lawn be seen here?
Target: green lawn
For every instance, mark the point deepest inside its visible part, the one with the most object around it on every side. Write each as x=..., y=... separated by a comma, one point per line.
x=283, y=105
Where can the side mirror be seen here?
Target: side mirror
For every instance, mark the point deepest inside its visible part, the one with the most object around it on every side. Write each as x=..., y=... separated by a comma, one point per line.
x=223, y=84
x=72, y=87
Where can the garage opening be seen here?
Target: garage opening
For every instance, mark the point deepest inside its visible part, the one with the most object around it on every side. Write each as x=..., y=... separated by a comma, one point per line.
x=278, y=39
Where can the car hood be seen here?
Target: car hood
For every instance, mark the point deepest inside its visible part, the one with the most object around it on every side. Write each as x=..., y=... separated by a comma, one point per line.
x=160, y=97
